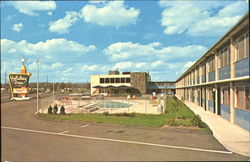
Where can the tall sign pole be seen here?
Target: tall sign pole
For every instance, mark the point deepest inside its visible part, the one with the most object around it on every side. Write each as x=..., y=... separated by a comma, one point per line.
x=37, y=86
x=19, y=83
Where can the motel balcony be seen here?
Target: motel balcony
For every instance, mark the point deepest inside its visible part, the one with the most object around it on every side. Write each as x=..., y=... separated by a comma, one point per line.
x=211, y=76
x=224, y=72
x=241, y=68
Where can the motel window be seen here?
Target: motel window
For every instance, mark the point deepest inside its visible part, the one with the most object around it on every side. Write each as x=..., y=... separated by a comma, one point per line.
x=225, y=96
x=197, y=72
x=203, y=70
x=242, y=98
x=193, y=77
x=224, y=57
x=127, y=80
x=112, y=80
x=107, y=80
x=211, y=65
x=247, y=44
x=122, y=80
x=242, y=47
x=101, y=80
x=117, y=80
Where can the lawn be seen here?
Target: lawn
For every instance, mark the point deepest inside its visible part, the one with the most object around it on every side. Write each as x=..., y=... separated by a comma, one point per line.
x=177, y=114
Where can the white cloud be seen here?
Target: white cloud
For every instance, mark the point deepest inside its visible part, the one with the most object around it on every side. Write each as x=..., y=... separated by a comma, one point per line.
x=165, y=63
x=125, y=51
x=49, y=13
x=201, y=18
x=12, y=50
x=89, y=68
x=61, y=25
x=123, y=65
x=30, y=7
x=52, y=49
x=17, y=27
x=114, y=13
x=96, y=2
x=56, y=65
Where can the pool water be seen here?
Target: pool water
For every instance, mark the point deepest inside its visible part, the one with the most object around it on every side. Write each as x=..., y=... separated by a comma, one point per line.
x=114, y=104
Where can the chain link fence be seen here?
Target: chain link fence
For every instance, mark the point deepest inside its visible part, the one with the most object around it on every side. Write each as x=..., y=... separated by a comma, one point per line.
x=81, y=104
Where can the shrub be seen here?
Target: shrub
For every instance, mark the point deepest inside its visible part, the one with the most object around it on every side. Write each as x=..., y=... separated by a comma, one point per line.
x=196, y=121
x=125, y=114
x=182, y=117
x=119, y=114
x=172, y=122
x=106, y=113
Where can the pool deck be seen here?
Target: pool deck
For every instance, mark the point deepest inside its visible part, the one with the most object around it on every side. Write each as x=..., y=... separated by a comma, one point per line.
x=139, y=106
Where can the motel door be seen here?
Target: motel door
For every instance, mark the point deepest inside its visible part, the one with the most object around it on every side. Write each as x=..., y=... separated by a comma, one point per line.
x=214, y=102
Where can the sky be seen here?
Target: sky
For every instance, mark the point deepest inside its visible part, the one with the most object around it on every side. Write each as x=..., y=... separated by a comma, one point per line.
x=76, y=39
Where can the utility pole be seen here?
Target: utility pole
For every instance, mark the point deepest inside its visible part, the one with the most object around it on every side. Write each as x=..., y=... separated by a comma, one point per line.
x=37, y=86
x=47, y=81
x=53, y=85
x=5, y=85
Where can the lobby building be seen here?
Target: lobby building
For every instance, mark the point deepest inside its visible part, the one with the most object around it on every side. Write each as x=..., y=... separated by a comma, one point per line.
x=116, y=83
x=219, y=80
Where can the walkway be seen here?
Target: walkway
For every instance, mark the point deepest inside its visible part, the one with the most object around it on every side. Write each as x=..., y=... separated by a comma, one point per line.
x=233, y=137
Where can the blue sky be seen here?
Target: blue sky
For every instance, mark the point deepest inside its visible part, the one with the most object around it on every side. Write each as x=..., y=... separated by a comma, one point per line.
x=74, y=40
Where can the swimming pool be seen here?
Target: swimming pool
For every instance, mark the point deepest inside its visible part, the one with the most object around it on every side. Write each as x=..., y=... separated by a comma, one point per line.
x=114, y=104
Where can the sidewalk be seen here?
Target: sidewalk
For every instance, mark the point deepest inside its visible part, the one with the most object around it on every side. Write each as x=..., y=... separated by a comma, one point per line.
x=233, y=137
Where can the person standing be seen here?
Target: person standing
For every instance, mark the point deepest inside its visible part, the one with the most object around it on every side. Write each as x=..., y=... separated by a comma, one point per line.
x=62, y=110
x=50, y=110
x=55, y=109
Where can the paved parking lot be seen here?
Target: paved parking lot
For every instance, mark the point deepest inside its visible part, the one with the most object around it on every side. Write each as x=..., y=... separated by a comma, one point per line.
x=25, y=137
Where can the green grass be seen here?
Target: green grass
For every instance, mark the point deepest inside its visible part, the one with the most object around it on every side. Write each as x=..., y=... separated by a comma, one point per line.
x=177, y=114
x=138, y=119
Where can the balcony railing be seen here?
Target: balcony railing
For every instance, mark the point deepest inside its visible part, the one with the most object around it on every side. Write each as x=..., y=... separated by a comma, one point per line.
x=241, y=68
x=211, y=76
x=224, y=72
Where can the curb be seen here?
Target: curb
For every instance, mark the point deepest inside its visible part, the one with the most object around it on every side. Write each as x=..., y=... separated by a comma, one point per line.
x=228, y=147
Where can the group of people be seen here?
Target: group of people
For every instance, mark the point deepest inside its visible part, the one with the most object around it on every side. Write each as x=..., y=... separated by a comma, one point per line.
x=55, y=109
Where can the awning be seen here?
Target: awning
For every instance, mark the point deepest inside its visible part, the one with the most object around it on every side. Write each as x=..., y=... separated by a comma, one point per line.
x=123, y=86
x=110, y=86
x=98, y=86
x=161, y=87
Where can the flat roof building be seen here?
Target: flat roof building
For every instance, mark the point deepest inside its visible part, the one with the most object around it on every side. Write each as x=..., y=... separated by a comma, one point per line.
x=116, y=83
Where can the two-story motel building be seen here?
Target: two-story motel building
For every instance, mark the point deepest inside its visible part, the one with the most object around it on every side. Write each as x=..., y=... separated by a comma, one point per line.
x=219, y=80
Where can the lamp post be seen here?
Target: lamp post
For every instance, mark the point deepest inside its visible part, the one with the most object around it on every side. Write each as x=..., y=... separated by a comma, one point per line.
x=37, y=86
x=53, y=87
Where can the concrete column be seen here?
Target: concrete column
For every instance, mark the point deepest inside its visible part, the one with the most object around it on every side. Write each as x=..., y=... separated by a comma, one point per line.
x=216, y=99
x=232, y=53
x=231, y=103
